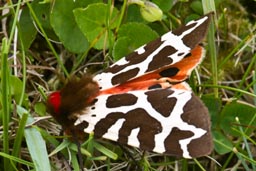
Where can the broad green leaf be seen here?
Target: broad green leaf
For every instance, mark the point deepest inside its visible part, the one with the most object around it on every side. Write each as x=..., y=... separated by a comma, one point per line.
x=214, y=106
x=93, y=23
x=121, y=48
x=27, y=30
x=191, y=17
x=16, y=90
x=130, y=37
x=133, y=14
x=40, y=108
x=64, y=25
x=222, y=144
x=244, y=112
x=85, y=3
x=42, y=12
x=197, y=7
x=165, y=5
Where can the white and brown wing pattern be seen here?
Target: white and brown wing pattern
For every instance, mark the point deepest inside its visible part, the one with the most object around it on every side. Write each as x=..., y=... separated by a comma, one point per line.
x=167, y=50
x=143, y=99
x=144, y=102
x=169, y=121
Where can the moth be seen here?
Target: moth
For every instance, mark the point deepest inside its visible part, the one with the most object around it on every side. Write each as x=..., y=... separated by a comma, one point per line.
x=142, y=100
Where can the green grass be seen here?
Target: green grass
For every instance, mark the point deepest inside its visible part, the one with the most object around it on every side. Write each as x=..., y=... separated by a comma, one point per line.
x=48, y=53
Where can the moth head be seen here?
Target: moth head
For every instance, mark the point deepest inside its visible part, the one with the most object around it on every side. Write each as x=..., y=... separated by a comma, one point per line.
x=64, y=116
x=53, y=103
x=74, y=97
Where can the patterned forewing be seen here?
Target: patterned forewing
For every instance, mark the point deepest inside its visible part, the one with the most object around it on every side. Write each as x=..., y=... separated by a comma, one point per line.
x=166, y=50
x=158, y=120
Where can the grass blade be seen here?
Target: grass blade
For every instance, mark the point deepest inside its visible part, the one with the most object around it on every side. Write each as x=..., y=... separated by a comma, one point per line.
x=36, y=144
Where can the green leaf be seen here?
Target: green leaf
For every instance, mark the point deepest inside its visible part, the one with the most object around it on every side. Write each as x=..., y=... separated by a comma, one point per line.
x=165, y=5
x=132, y=36
x=42, y=12
x=16, y=90
x=244, y=112
x=17, y=159
x=93, y=23
x=133, y=14
x=121, y=48
x=35, y=143
x=19, y=135
x=49, y=138
x=85, y=3
x=105, y=151
x=64, y=25
x=197, y=7
x=83, y=150
x=40, y=108
x=214, y=106
x=222, y=145
x=61, y=146
x=27, y=30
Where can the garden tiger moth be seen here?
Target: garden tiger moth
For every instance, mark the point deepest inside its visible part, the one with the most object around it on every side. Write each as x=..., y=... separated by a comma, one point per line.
x=142, y=100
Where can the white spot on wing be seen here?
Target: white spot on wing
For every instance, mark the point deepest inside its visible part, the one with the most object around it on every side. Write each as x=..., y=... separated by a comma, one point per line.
x=197, y=22
x=112, y=133
x=184, y=143
x=133, y=138
x=140, y=50
x=200, y=21
x=174, y=119
x=104, y=80
x=122, y=61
